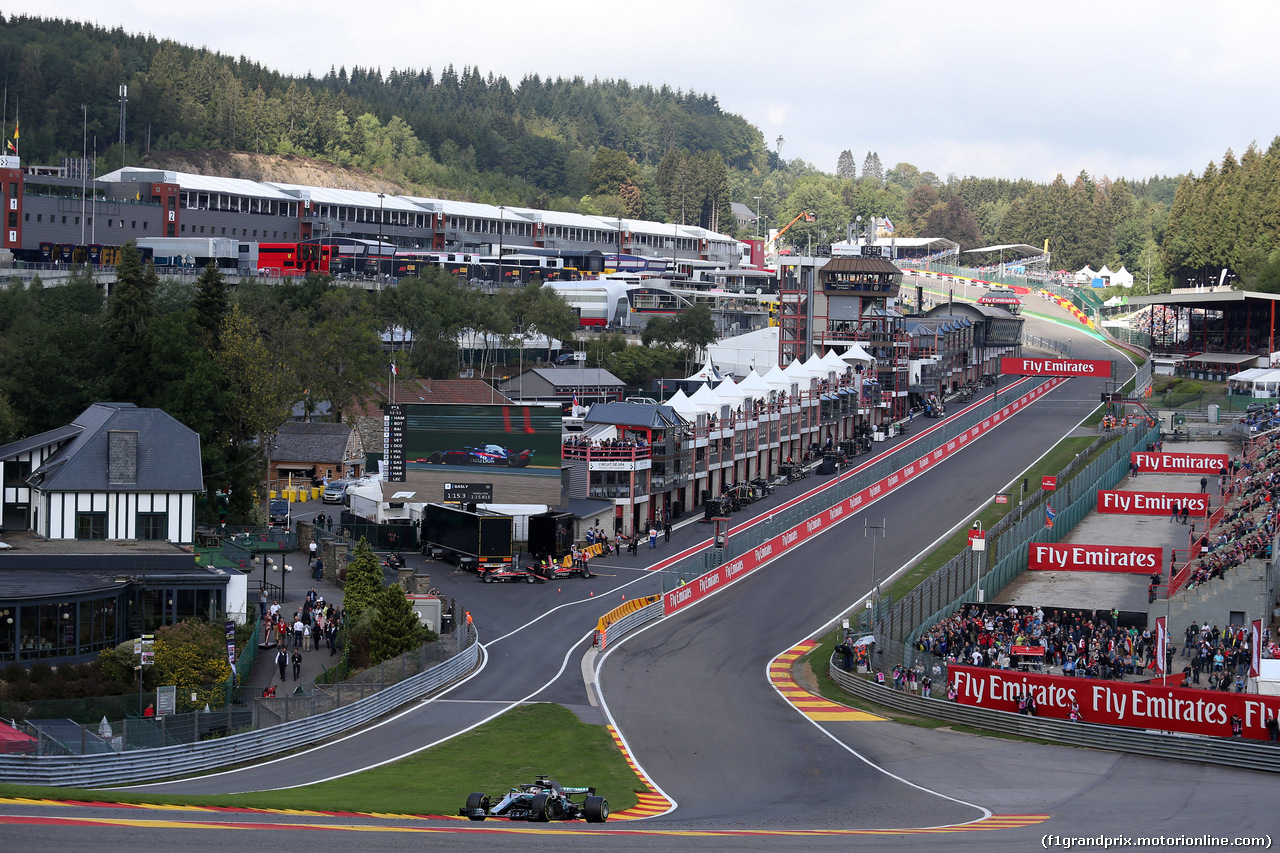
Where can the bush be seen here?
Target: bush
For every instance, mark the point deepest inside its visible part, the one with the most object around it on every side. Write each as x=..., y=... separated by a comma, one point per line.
x=40, y=673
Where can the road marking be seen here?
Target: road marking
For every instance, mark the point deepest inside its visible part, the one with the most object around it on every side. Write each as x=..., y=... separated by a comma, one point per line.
x=812, y=706
x=652, y=802
x=994, y=822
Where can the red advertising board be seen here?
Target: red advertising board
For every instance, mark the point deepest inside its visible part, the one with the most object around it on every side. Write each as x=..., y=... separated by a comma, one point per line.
x=1049, y=482
x=1140, y=705
x=1151, y=503
x=1179, y=463
x=1044, y=556
x=722, y=576
x=1055, y=367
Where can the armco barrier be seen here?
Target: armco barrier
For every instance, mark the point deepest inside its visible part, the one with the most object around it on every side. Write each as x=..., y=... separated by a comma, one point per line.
x=84, y=771
x=632, y=620
x=738, y=567
x=1255, y=755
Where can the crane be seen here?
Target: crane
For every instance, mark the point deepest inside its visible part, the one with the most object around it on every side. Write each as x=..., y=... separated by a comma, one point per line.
x=771, y=246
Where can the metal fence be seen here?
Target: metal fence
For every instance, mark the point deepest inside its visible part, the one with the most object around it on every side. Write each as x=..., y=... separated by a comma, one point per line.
x=899, y=627
x=321, y=698
x=115, y=768
x=1231, y=752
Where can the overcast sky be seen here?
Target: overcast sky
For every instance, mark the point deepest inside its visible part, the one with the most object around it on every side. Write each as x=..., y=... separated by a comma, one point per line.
x=983, y=87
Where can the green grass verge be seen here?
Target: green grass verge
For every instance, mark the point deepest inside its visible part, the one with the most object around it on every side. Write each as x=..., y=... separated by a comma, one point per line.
x=510, y=750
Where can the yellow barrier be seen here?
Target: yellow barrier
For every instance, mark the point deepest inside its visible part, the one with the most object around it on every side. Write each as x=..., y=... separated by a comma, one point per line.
x=623, y=609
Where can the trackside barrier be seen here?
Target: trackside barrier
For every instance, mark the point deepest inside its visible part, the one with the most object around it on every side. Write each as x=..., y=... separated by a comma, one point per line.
x=83, y=771
x=1231, y=752
x=650, y=608
x=763, y=542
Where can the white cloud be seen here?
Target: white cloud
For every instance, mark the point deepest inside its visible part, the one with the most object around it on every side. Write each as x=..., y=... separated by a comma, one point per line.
x=987, y=87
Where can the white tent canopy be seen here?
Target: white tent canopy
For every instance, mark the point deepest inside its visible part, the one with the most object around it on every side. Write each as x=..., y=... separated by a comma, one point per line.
x=705, y=400
x=816, y=367
x=682, y=405
x=857, y=355
x=708, y=373
x=775, y=378
x=1086, y=274
x=835, y=362
x=753, y=386
x=1122, y=278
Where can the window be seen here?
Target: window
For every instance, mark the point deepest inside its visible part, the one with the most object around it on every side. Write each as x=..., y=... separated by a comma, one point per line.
x=153, y=526
x=91, y=525
x=133, y=224
x=39, y=217
x=16, y=474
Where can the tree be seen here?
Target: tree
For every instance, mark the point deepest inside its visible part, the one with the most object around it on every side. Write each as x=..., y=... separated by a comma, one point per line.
x=396, y=628
x=846, y=166
x=610, y=170
x=130, y=309
x=871, y=167
x=210, y=304
x=363, y=583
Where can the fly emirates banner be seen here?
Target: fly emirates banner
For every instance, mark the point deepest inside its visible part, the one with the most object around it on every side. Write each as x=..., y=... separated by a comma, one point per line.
x=1044, y=556
x=1140, y=704
x=1151, y=503
x=1179, y=463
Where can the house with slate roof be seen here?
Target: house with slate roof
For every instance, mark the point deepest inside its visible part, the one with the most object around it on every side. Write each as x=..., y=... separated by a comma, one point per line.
x=117, y=472
x=309, y=451
x=561, y=384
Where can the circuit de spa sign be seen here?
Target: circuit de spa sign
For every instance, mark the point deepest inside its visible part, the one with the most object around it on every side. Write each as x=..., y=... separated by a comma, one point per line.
x=1151, y=503
x=1139, y=705
x=1043, y=556
x=1179, y=463
x=1054, y=367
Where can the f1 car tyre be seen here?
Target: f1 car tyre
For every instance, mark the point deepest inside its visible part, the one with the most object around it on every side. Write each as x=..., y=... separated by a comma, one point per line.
x=435, y=458
x=542, y=807
x=486, y=577
x=480, y=802
x=530, y=578
x=513, y=461
x=586, y=573
x=596, y=809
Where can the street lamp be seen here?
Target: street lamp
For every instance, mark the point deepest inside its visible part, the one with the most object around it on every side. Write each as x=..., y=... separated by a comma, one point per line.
x=757, y=198
x=381, y=197
x=874, y=531
x=502, y=226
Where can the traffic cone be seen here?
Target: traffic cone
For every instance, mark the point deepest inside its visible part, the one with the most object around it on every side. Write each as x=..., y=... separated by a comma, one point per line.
x=592, y=593
x=557, y=589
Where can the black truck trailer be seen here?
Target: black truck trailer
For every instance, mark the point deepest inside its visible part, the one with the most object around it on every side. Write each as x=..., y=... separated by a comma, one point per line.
x=474, y=539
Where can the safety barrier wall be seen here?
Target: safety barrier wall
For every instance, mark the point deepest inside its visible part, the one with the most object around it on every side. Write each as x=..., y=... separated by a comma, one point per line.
x=1231, y=752
x=166, y=762
x=627, y=623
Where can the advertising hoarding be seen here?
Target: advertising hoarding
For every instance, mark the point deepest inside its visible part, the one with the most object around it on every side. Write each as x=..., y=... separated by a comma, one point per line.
x=1151, y=503
x=1044, y=556
x=1055, y=367
x=1133, y=704
x=1179, y=463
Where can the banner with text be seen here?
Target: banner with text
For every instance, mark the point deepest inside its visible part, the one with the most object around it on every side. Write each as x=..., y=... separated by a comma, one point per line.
x=734, y=569
x=1055, y=367
x=1044, y=556
x=1140, y=705
x=1151, y=503
x=1179, y=463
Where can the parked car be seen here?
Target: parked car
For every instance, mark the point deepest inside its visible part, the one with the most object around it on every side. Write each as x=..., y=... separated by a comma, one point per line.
x=336, y=491
x=565, y=358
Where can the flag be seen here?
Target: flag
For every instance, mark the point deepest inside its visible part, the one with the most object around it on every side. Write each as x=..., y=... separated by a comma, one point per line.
x=1049, y=514
x=575, y=399
x=1255, y=648
x=1162, y=643
x=395, y=371
x=15, y=131
x=888, y=225
x=12, y=147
